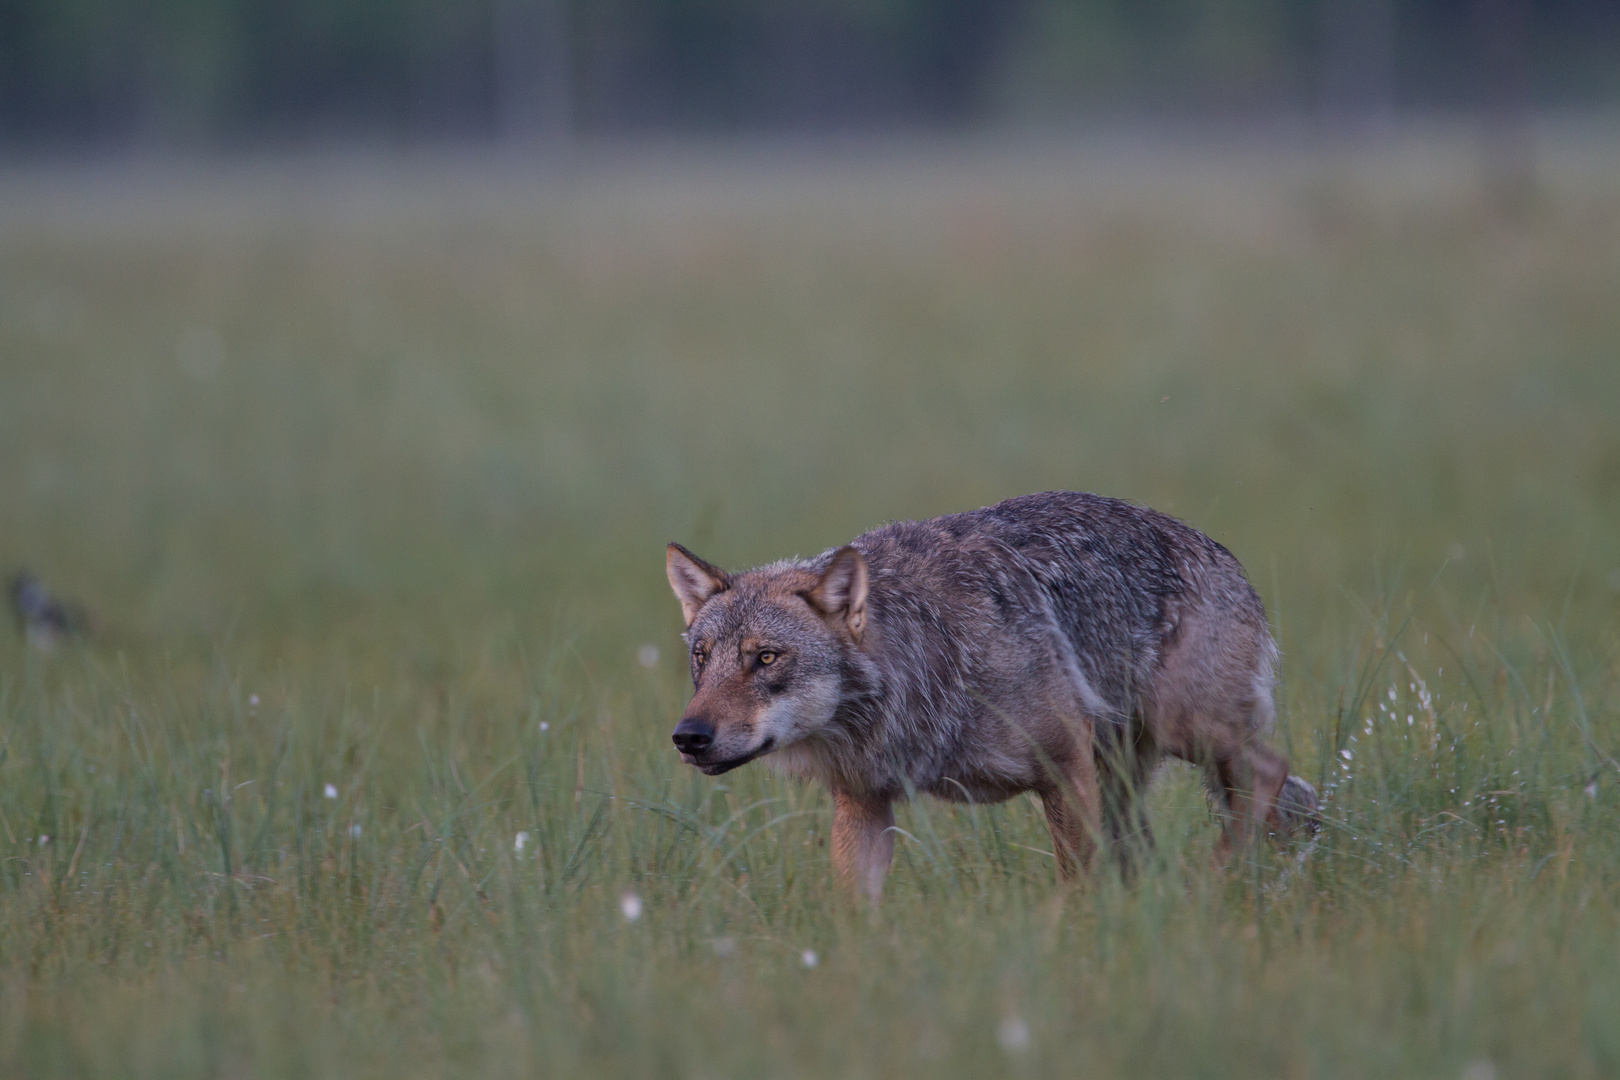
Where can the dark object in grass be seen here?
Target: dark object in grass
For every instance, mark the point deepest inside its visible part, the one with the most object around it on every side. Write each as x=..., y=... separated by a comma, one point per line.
x=44, y=620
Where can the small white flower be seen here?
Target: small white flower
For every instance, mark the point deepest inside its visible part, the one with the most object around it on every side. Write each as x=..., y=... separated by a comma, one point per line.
x=520, y=842
x=354, y=830
x=43, y=840
x=725, y=946
x=809, y=958
x=1346, y=754
x=253, y=701
x=1592, y=789
x=1013, y=1035
x=544, y=727
x=647, y=655
x=630, y=904
x=331, y=791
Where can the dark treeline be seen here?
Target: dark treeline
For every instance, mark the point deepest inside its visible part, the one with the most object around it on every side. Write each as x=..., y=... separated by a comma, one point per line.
x=200, y=72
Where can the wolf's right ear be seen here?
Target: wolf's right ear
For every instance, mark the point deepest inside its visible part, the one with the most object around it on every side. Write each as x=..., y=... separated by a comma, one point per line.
x=693, y=580
x=841, y=592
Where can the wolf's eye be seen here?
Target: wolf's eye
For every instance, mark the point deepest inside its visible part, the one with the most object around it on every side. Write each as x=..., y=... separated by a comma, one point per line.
x=767, y=657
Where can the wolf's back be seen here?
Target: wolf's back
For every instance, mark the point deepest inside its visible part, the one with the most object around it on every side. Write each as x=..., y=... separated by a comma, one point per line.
x=1119, y=578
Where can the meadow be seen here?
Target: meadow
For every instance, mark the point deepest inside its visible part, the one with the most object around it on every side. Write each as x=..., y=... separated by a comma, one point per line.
x=365, y=469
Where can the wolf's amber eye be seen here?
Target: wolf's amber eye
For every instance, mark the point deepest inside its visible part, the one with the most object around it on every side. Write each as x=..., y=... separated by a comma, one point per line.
x=766, y=657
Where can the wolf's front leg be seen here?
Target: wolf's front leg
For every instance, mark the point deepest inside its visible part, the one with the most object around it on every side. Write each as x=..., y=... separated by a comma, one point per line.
x=862, y=843
x=1073, y=808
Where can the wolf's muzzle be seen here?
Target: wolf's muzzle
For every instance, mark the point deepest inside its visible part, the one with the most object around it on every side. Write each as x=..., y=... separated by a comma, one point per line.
x=715, y=768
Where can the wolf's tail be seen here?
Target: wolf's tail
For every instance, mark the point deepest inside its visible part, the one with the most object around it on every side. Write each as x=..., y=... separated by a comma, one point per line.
x=1298, y=810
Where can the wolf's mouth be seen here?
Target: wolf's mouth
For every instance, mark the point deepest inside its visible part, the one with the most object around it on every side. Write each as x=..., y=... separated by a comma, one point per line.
x=715, y=768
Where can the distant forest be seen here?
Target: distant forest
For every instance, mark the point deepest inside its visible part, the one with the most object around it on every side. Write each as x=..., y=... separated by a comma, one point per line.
x=211, y=72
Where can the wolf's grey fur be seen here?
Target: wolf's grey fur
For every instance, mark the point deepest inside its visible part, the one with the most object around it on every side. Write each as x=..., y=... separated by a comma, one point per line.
x=1057, y=643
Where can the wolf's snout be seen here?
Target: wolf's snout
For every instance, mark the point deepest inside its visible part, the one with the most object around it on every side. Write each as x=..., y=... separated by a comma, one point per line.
x=693, y=736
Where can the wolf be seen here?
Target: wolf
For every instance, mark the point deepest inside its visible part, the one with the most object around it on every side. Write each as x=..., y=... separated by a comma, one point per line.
x=1059, y=643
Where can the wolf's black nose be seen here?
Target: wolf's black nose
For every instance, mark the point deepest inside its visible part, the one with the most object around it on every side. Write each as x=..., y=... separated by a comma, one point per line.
x=693, y=736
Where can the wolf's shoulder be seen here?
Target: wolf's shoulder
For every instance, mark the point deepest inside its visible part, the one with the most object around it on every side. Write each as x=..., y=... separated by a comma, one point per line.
x=1054, y=511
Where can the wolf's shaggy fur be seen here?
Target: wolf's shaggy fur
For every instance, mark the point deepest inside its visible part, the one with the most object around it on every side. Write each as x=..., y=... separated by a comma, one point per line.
x=1057, y=643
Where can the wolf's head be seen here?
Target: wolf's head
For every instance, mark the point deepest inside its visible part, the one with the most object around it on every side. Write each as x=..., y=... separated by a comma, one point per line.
x=768, y=651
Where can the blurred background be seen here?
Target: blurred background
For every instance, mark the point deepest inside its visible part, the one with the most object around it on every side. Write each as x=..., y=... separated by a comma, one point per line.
x=359, y=357
x=190, y=74
x=308, y=304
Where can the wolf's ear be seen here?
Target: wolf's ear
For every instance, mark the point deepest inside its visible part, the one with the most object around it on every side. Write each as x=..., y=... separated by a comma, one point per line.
x=693, y=580
x=842, y=590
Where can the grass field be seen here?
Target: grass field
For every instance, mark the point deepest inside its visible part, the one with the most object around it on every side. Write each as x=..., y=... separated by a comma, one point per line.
x=366, y=471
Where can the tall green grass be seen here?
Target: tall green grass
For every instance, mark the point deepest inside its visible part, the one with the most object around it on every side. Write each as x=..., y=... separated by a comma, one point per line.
x=369, y=497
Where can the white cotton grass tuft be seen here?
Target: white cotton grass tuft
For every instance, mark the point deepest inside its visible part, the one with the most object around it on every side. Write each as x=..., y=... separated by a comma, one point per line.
x=331, y=791
x=519, y=842
x=354, y=830
x=647, y=655
x=1013, y=1035
x=809, y=958
x=253, y=701
x=630, y=904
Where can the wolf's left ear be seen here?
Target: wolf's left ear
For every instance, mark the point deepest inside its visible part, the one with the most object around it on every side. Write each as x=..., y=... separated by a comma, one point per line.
x=693, y=580
x=842, y=590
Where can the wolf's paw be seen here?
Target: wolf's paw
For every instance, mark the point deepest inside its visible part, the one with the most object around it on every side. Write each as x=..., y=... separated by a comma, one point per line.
x=1297, y=808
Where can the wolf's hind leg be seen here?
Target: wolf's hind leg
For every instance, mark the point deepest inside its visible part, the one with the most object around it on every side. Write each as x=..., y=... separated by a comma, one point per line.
x=1251, y=778
x=863, y=845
